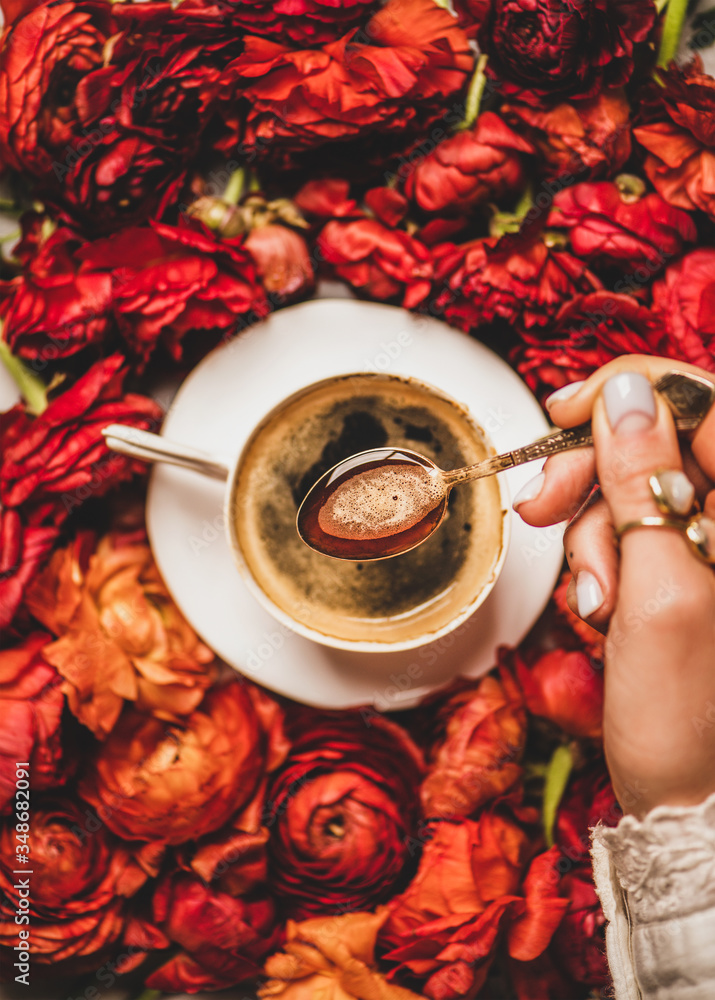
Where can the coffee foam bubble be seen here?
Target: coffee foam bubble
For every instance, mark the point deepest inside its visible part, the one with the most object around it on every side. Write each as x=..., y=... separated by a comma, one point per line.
x=380, y=502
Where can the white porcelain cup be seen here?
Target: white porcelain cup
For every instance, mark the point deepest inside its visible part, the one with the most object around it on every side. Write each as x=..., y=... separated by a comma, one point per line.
x=380, y=606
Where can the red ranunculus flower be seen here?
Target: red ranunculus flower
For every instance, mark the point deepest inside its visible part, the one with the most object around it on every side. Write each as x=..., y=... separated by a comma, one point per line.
x=223, y=939
x=679, y=136
x=565, y=687
x=31, y=704
x=588, y=332
x=617, y=222
x=299, y=21
x=108, y=130
x=684, y=302
x=468, y=895
x=381, y=262
x=43, y=56
x=27, y=536
x=341, y=811
x=282, y=260
x=81, y=880
x=588, y=139
x=558, y=48
x=168, y=280
x=477, y=757
x=61, y=454
x=410, y=57
x=480, y=164
x=327, y=198
x=51, y=310
x=518, y=277
x=173, y=782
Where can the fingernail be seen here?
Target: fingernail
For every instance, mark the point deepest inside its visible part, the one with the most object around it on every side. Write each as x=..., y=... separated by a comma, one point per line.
x=630, y=403
x=565, y=392
x=530, y=490
x=589, y=596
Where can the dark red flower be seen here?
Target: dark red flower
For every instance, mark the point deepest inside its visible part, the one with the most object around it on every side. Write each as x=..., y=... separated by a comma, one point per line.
x=565, y=687
x=168, y=280
x=409, y=58
x=479, y=164
x=383, y=263
x=31, y=704
x=27, y=536
x=679, y=136
x=589, y=800
x=341, y=810
x=468, y=896
x=684, y=303
x=518, y=278
x=299, y=21
x=282, y=260
x=172, y=782
x=614, y=222
x=52, y=310
x=61, y=454
x=223, y=940
x=586, y=334
x=477, y=757
x=558, y=48
x=587, y=139
x=579, y=944
x=81, y=879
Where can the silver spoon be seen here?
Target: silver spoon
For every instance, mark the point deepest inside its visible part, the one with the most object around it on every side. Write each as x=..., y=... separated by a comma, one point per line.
x=688, y=395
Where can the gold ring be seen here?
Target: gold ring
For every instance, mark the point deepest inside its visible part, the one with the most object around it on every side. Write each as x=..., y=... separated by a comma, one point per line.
x=653, y=522
x=690, y=528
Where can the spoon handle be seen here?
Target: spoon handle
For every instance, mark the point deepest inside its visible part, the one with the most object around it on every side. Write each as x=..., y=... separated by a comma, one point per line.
x=689, y=397
x=154, y=448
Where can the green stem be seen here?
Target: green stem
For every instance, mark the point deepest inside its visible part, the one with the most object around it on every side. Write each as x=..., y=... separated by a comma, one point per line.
x=32, y=389
x=235, y=186
x=149, y=995
x=557, y=776
x=672, y=29
x=474, y=94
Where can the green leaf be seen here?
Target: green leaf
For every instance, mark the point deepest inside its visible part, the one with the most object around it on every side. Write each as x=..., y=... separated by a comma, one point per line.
x=32, y=388
x=557, y=776
x=474, y=94
x=672, y=29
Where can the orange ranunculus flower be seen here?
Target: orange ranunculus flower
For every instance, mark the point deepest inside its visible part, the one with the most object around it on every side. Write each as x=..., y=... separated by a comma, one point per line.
x=331, y=957
x=172, y=782
x=282, y=259
x=478, y=756
x=469, y=894
x=120, y=635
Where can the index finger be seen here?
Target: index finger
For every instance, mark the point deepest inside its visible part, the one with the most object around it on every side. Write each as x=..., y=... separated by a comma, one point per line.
x=567, y=410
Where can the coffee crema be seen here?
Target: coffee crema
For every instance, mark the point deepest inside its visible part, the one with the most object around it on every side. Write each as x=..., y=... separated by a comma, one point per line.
x=394, y=600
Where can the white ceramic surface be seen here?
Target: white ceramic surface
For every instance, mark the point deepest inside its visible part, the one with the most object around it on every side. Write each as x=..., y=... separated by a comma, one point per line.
x=218, y=406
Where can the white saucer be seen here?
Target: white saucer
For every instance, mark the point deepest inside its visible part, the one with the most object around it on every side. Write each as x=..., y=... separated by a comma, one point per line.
x=216, y=409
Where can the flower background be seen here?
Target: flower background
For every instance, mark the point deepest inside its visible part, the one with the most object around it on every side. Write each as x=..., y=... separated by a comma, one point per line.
x=176, y=172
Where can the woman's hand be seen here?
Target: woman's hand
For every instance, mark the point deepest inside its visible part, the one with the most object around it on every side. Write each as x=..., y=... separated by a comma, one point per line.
x=656, y=597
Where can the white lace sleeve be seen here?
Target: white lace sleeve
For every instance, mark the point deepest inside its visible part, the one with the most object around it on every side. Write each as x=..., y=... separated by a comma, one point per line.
x=656, y=882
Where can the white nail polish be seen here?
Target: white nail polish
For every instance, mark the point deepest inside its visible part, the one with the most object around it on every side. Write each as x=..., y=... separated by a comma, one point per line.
x=589, y=596
x=630, y=403
x=530, y=490
x=565, y=392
